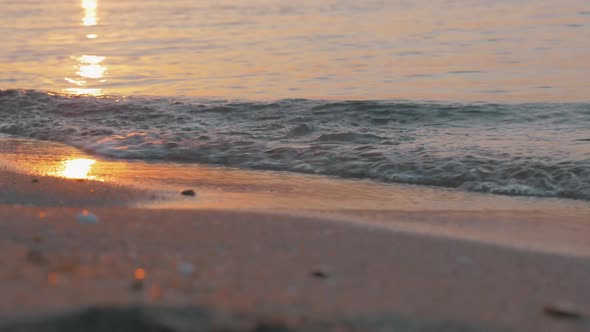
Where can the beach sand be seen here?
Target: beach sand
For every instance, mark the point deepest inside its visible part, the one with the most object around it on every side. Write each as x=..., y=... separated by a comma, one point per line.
x=147, y=264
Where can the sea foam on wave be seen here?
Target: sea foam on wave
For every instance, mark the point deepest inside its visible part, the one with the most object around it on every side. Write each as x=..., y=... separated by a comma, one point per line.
x=526, y=149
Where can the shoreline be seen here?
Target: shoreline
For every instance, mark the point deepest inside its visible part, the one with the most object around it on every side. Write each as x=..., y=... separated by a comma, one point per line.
x=548, y=225
x=360, y=268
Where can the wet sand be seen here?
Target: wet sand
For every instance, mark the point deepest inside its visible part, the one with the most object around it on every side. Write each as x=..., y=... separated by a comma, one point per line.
x=263, y=250
x=306, y=272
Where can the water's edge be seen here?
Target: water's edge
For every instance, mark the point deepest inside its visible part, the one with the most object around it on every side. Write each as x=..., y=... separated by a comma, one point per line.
x=519, y=149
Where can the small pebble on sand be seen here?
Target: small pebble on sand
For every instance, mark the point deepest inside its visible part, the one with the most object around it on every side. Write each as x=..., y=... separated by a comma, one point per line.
x=36, y=257
x=319, y=274
x=35, y=180
x=563, y=310
x=188, y=192
x=138, y=279
x=87, y=217
x=186, y=269
x=464, y=260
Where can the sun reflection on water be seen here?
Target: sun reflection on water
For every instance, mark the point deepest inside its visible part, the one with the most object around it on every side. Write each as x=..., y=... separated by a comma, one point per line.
x=90, y=18
x=89, y=68
x=84, y=91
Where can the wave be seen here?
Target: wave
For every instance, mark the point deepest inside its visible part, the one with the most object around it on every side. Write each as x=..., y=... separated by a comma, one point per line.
x=513, y=149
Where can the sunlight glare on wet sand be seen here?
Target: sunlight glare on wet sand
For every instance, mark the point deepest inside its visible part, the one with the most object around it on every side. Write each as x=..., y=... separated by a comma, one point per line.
x=76, y=169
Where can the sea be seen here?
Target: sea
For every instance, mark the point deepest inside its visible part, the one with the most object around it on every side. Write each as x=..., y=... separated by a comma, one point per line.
x=473, y=95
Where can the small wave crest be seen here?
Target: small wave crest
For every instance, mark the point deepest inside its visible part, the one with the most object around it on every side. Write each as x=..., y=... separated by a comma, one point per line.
x=525, y=149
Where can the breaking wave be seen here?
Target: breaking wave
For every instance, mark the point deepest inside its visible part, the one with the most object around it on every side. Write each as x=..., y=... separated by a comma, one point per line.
x=513, y=149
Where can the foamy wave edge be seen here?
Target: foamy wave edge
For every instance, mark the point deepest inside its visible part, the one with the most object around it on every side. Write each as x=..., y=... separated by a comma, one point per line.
x=378, y=140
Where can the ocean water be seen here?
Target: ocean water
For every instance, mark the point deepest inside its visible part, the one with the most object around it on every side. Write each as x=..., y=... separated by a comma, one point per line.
x=458, y=50
x=477, y=95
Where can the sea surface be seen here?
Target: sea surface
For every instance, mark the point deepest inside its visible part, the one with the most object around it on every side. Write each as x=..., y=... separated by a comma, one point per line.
x=486, y=96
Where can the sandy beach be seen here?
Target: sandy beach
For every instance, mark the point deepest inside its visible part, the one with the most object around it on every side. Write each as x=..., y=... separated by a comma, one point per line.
x=140, y=264
x=294, y=166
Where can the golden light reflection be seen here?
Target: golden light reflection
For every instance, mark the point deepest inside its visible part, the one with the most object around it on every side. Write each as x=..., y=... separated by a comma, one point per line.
x=91, y=59
x=89, y=68
x=139, y=274
x=92, y=71
x=90, y=18
x=76, y=169
x=84, y=91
